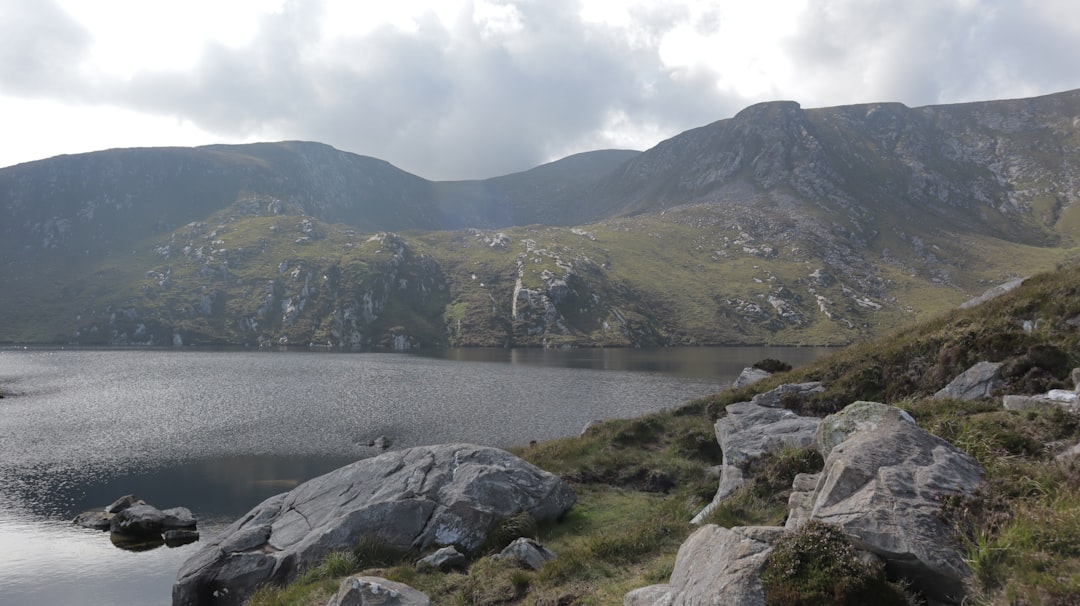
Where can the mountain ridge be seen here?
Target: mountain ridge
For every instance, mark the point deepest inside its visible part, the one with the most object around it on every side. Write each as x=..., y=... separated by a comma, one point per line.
x=779, y=225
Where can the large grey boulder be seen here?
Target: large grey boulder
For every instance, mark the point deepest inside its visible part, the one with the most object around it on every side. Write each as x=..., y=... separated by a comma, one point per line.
x=882, y=483
x=376, y=591
x=979, y=381
x=139, y=519
x=748, y=431
x=715, y=566
x=418, y=498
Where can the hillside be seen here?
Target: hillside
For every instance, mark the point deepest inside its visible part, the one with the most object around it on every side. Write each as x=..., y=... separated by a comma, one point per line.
x=780, y=225
x=640, y=480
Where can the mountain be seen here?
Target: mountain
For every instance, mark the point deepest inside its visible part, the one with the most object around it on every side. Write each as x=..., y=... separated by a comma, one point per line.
x=780, y=225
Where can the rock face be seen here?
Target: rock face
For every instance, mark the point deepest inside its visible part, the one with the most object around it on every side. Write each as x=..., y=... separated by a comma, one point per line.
x=749, y=431
x=979, y=381
x=882, y=484
x=422, y=497
x=376, y=591
x=716, y=566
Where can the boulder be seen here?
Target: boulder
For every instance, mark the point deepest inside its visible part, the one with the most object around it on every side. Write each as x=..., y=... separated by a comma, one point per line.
x=857, y=416
x=979, y=381
x=526, y=553
x=178, y=517
x=748, y=431
x=882, y=483
x=716, y=566
x=993, y=293
x=443, y=559
x=139, y=519
x=418, y=498
x=178, y=537
x=749, y=376
x=788, y=395
x=376, y=591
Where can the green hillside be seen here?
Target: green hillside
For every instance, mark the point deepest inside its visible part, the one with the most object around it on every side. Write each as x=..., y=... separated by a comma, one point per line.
x=640, y=480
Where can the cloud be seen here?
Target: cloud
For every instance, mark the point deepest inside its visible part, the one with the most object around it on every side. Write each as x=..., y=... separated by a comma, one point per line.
x=41, y=48
x=496, y=91
x=485, y=87
x=932, y=51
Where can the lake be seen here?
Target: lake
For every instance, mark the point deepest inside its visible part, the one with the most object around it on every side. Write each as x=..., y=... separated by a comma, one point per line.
x=218, y=432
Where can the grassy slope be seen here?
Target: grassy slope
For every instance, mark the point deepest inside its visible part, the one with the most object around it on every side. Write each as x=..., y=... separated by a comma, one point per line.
x=681, y=277
x=1020, y=532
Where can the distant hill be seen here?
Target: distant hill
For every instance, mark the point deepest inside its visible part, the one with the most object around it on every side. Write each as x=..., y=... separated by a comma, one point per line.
x=779, y=225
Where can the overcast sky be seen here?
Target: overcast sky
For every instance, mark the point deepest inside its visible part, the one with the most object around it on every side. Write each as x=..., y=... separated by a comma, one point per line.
x=455, y=89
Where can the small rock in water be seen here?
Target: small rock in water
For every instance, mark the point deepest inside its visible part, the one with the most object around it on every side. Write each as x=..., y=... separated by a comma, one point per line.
x=381, y=442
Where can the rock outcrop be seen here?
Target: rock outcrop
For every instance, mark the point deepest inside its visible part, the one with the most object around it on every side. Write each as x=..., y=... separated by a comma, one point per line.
x=882, y=483
x=749, y=431
x=376, y=591
x=716, y=566
x=418, y=498
x=138, y=526
x=979, y=381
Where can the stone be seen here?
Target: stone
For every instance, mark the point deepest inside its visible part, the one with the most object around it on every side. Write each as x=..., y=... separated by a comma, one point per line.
x=138, y=520
x=589, y=426
x=178, y=517
x=380, y=443
x=979, y=381
x=788, y=394
x=121, y=504
x=376, y=591
x=1015, y=402
x=716, y=566
x=748, y=431
x=883, y=482
x=526, y=553
x=749, y=376
x=177, y=537
x=1068, y=453
x=1074, y=376
x=95, y=520
x=443, y=559
x=1063, y=398
x=855, y=417
x=417, y=498
x=801, y=500
x=993, y=293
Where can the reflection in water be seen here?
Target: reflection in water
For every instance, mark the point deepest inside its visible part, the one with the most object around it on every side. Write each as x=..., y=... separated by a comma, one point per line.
x=220, y=432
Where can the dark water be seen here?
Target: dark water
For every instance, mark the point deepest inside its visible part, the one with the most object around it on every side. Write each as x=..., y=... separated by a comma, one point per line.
x=217, y=432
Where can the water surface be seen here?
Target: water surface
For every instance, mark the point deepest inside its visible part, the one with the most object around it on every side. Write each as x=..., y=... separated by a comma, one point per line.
x=217, y=432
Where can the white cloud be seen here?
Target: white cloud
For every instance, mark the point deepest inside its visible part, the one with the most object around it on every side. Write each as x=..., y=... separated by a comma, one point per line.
x=474, y=88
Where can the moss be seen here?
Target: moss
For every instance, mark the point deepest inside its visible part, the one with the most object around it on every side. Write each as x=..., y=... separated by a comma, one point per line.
x=817, y=565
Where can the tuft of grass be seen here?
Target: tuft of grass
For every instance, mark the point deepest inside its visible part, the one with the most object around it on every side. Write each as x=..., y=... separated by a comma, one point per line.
x=817, y=565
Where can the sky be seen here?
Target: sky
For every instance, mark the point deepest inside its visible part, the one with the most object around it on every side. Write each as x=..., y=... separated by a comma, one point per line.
x=457, y=89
